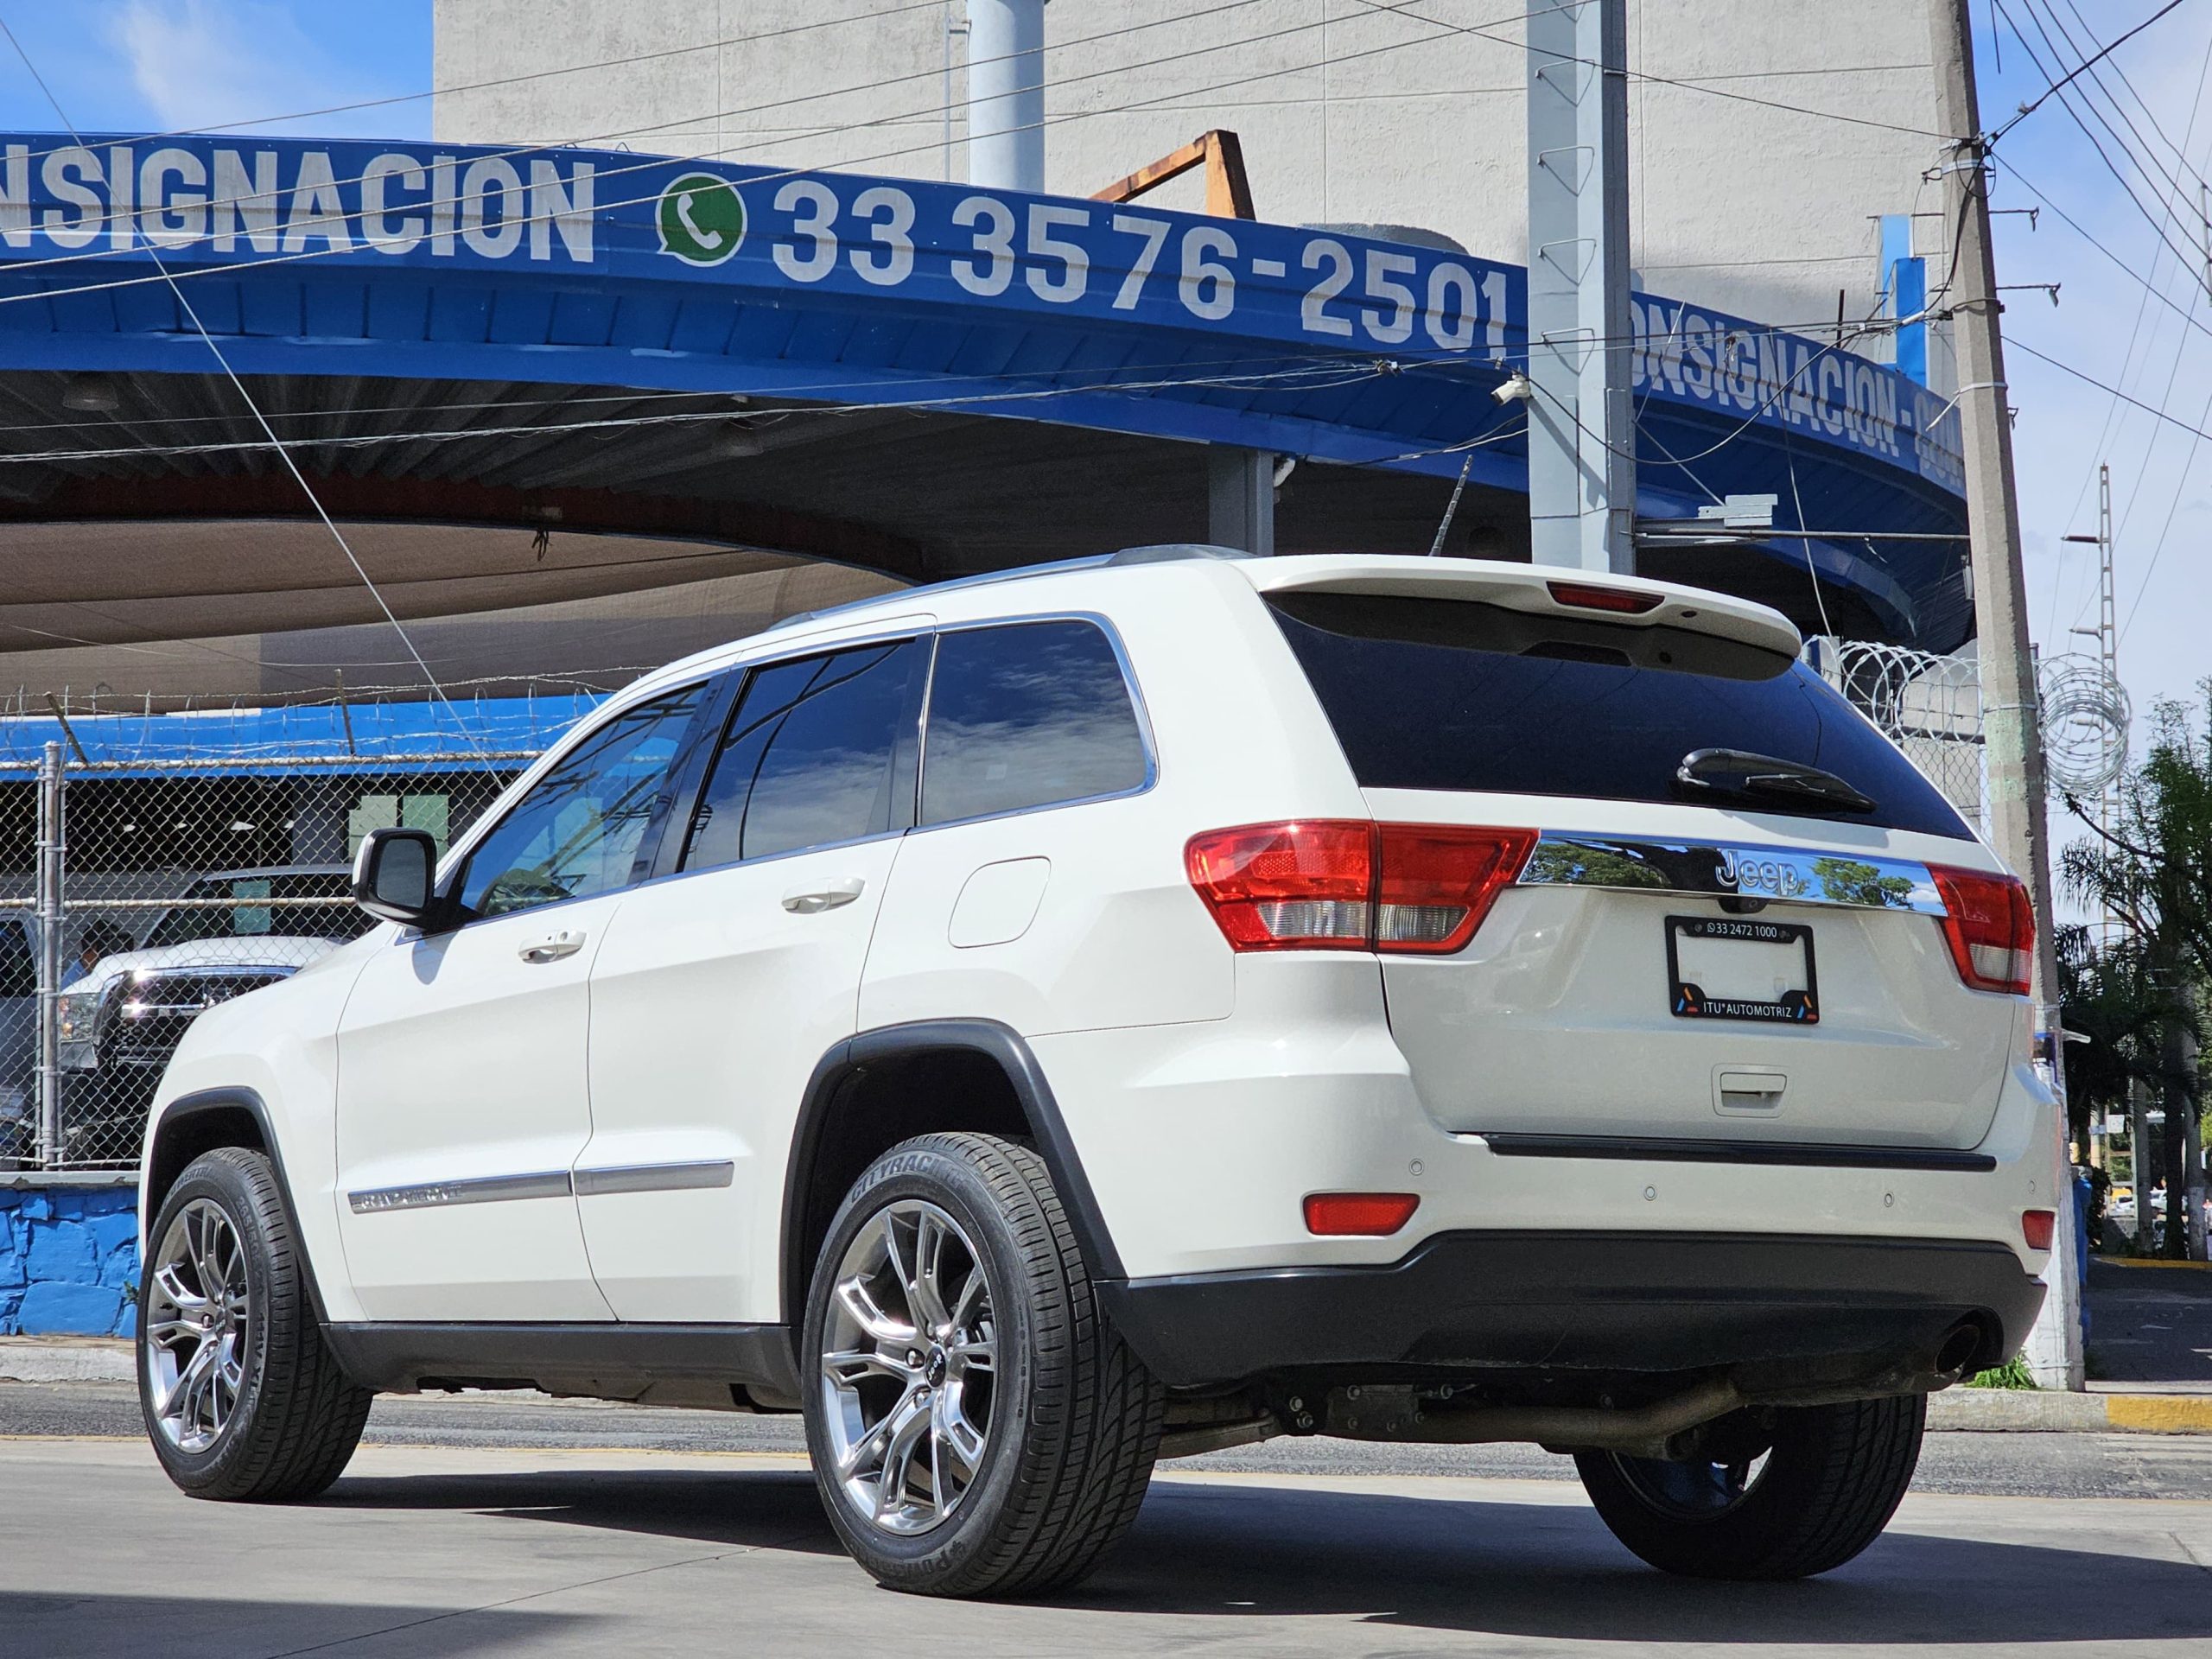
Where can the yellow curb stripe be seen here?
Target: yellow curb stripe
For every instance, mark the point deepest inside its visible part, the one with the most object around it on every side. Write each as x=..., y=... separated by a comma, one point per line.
x=2144, y=1262
x=2160, y=1413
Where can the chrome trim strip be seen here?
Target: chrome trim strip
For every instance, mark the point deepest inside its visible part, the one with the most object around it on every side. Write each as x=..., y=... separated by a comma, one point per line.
x=484, y=1189
x=654, y=1178
x=1793, y=875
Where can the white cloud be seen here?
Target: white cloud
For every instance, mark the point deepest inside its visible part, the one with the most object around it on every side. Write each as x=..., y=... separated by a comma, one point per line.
x=201, y=65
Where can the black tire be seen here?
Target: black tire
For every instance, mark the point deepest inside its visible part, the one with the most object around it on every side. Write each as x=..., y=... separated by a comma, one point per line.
x=1833, y=1476
x=1074, y=1417
x=295, y=1417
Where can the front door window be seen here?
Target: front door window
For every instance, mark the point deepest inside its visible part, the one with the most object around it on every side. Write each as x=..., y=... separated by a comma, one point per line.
x=581, y=828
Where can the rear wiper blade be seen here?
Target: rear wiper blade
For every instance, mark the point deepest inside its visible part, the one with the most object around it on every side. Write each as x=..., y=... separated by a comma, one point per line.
x=1738, y=772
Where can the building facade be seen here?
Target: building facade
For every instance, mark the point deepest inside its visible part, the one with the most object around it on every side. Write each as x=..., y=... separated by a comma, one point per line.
x=1769, y=139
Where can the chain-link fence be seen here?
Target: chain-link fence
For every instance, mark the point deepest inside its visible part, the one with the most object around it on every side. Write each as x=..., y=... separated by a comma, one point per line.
x=134, y=894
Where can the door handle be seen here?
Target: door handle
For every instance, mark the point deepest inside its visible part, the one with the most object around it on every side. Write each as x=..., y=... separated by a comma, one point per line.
x=812, y=901
x=553, y=946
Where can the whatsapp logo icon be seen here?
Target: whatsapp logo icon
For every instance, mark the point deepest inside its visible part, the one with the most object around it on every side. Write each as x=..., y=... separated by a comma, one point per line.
x=700, y=219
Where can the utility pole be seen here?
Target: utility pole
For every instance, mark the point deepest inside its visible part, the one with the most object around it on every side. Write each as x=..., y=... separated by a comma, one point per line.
x=2019, y=815
x=1581, y=420
x=2138, y=1161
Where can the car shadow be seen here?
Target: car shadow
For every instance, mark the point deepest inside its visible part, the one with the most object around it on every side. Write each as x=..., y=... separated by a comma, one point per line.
x=1500, y=1568
x=755, y=1508
x=100, y=1625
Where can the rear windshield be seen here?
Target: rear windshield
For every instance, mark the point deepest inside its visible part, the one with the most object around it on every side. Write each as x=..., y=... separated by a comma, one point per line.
x=1445, y=694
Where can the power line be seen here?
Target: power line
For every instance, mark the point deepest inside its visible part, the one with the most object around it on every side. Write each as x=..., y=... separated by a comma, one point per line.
x=2157, y=221
x=2142, y=309
x=232, y=375
x=1480, y=31
x=2153, y=220
x=2092, y=380
x=2027, y=110
x=533, y=75
x=2096, y=242
x=2180, y=151
x=95, y=221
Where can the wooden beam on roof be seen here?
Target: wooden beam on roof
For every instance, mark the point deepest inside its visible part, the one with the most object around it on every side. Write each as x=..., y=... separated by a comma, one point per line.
x=1229, y=190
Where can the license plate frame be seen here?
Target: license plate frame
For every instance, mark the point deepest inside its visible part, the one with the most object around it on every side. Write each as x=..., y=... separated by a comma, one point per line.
x=1690, y=1000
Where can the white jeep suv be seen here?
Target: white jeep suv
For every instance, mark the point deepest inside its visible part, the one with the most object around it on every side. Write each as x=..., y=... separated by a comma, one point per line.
x=1042, y=1024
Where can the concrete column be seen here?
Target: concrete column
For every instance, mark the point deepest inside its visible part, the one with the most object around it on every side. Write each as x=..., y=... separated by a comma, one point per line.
x=1241, y=498
x=1006, y=94
x=1581, y=420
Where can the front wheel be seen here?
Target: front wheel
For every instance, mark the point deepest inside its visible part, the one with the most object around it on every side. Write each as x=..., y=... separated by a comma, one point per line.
x=242, y=1397
x=976, y=1427
x=1782, y=1493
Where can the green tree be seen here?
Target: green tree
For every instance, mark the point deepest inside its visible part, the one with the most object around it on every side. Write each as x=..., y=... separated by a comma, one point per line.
x=2153, y=870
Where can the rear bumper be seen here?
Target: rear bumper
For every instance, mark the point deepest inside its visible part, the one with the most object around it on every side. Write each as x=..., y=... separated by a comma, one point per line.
x=1464, y=1302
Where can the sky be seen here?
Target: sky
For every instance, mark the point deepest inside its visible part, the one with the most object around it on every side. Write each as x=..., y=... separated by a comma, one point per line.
x=139, y=66
x=2108, y=324
x=149, y=65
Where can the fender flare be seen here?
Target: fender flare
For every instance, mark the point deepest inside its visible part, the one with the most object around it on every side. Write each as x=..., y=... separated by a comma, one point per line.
x=848, y=1060
x=239, y=1097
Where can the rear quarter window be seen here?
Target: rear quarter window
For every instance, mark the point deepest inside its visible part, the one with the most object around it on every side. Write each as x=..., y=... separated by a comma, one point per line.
x=1028, y=714
x=1452, y=695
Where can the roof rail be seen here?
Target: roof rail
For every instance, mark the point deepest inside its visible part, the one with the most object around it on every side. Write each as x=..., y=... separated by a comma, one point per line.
x=1161, y=553
x=1167, y=552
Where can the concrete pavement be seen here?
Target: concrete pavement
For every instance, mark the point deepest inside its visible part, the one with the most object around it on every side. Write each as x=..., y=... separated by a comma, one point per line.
x=443, y=1553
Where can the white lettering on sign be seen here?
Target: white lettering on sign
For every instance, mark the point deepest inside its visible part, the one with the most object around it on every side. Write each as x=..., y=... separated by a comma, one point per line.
x=172, y=198
x=16, y=197
x=306, y=201
x=379, y=229
x=1797, y=382
x=225, y=199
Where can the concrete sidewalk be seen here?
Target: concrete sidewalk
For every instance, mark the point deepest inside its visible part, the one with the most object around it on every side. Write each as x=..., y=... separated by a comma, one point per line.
x=2119, y=1408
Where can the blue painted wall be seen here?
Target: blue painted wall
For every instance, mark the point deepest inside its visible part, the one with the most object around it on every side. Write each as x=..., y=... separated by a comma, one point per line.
x=69, y=1261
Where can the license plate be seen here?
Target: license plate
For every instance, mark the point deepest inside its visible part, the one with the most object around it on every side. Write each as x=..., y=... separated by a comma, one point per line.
x=1736, y=968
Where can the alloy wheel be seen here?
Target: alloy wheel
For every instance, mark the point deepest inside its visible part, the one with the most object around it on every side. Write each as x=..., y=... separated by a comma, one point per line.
x=197, y=1317
x=1691, y=1491
x=908, y=1368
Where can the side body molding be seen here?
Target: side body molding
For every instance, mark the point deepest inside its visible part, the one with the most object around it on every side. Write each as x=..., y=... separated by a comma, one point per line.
x=846, y=1063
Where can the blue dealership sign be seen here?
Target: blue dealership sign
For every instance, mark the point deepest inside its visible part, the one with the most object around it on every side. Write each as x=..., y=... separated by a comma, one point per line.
x=77, y=219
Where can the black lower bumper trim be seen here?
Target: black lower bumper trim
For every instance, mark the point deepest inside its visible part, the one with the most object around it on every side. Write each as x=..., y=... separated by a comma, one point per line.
x=1629, y=1301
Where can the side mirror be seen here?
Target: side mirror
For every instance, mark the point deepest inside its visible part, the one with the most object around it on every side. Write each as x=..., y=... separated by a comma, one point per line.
x=395, y=874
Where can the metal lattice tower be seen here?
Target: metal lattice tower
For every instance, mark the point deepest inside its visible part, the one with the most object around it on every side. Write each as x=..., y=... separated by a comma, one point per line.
x=2113, y=754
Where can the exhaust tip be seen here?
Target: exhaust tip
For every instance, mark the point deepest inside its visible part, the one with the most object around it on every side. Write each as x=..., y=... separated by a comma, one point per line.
x=1960, y=1349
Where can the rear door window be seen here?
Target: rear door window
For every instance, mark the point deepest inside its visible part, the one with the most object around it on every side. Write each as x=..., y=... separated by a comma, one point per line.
x=1028, y=714
x=817, y=751
x=1451, y=695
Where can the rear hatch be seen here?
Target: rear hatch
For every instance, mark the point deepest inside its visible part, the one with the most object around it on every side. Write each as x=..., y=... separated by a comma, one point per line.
x=1757, y=953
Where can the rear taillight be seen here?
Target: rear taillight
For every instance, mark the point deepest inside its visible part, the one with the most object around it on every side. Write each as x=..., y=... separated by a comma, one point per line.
x=1335, y=883
x=1990, y=927
x=1438, y=881
x=2037, y=1227
x=1305, y=886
